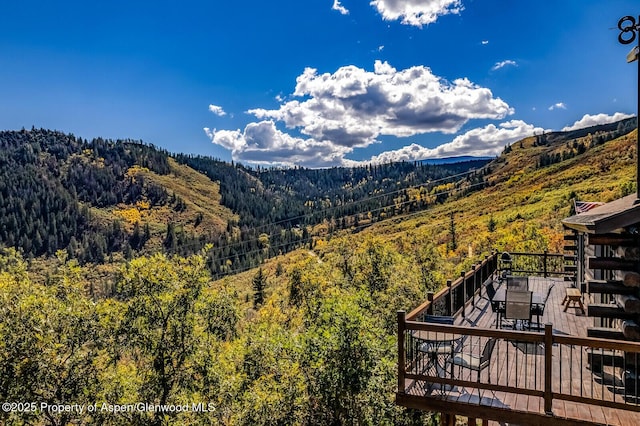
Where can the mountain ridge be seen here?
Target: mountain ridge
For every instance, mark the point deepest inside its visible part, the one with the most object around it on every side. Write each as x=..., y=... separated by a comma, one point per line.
x=134, y=199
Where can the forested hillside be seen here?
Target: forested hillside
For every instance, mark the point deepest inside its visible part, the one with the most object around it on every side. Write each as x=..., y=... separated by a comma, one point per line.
x=49, y=182
x=308, y=337
x=283, y=209
x=105, y=201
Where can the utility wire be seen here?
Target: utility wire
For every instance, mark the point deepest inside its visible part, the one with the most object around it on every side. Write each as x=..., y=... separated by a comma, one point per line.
x=331, y=209
x=356, y=229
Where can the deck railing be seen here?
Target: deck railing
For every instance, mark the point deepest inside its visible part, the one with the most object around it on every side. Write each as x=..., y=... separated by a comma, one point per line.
x=549, y=364
x=457, y=294
x=543, y=365
x=539, y=264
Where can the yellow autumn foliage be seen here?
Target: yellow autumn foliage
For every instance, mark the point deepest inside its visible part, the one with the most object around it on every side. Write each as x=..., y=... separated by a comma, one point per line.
x=131, y=215
x=143, y=205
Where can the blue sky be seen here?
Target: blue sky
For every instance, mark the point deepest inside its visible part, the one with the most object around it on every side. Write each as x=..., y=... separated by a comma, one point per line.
x=315, y=83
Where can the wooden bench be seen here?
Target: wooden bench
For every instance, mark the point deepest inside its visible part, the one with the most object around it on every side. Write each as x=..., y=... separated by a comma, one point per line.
x=573, y=296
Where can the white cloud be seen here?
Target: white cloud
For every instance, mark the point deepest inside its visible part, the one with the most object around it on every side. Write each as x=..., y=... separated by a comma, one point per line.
x=352, y=106
x=485, y=42
x=335, y=113
x=559, y=105
x=339, y=7
x=416, y=12
x=594, y=120
x=483, y=141
x=217, y=110
x=263, y=143
x=503, y=64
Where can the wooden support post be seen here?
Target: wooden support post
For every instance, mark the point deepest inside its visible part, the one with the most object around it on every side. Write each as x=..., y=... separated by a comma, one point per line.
x=464, y=292
x=548, y=353
x=430, y=299
x=484, y=266
x=449, y=299
x=401, y=352
x=475, y=286
x=447, y=419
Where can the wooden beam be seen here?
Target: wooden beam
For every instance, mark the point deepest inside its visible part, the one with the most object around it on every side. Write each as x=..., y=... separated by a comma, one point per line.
x=607, y=310
x=629, y=303
x=605, y=333
x=630, y=330
x=612, y=263
x=624, y=240
x=485, y=412
x=631, y=279
x=609, y=287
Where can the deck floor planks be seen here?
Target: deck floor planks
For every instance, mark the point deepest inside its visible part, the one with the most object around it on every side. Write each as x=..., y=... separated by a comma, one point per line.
x=597, y=414
x=504, y=365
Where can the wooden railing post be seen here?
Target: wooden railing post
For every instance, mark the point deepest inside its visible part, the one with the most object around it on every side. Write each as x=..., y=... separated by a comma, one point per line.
x=430, y=299
x=494, y=263
x=474, y=286
x=486, y=267
x=548, y=353
x=449, y=299
x=544, y=262
x=464, y=292
x=401, y=351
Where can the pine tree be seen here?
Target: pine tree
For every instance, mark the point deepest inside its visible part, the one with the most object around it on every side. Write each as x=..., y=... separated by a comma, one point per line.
x=259, y=284
x=452, y=229
x=171, y=241
x=295, y=288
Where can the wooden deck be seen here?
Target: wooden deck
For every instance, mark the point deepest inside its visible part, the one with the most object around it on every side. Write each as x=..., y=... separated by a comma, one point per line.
x=523, y=364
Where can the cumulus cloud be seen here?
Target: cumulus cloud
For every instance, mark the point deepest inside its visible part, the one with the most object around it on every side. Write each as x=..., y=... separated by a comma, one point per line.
x=263, y=143
x=503, y=64
x=593, y=120
x=334, y=113
x=352, y=106
x=416, y=12
x=217, y=110
x=482, y=141
x=559, y=105
x=339, y=7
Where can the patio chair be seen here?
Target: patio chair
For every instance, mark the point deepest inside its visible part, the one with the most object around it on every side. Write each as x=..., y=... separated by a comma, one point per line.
x=537, y=309
x=499, y=310
x=518, y=283
x=490, y=291
x=518, y=306
x=438, y=319
x=496, y=307
x=474, y=362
